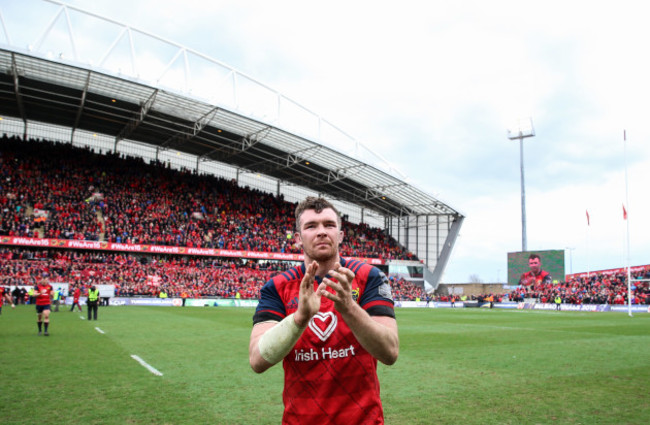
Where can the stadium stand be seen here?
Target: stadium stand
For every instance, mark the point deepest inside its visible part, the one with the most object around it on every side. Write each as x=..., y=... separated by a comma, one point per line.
x=75, y=197
x=64, y=192
x=58, y=191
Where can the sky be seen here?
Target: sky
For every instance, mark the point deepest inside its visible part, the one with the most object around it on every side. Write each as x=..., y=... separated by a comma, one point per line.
x=434, y=88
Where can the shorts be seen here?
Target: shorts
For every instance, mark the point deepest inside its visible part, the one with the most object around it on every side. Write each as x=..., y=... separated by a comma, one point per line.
x=42, y=308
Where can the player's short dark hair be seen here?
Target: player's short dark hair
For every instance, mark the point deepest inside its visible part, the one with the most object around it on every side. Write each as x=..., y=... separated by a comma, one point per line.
x=534, y=257
x=316, y=204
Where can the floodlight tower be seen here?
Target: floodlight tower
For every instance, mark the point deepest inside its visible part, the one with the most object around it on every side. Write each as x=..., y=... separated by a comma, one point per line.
x=523, y=129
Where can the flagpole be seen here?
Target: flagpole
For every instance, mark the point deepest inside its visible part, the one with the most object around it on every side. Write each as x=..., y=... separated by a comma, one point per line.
x=627, y=223
x=587, y=242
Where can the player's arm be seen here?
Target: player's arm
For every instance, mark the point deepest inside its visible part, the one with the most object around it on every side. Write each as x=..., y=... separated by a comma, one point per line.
x=377, y=334
x=272, y=340
x=256, y=360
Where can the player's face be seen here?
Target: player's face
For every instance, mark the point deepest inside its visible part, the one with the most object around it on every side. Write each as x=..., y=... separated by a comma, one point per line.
x=535, y=265
x=319, y=234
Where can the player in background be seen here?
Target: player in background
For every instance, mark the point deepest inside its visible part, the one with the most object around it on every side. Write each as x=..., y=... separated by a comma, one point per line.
x=4, y=296
x=75, y=298
x=329, y=321
x=43, y=292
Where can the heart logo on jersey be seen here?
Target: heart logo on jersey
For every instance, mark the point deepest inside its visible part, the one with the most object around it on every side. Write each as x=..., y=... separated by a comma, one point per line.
x=323, y=325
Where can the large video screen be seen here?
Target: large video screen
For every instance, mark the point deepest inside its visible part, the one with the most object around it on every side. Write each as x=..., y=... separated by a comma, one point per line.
x=552, y=262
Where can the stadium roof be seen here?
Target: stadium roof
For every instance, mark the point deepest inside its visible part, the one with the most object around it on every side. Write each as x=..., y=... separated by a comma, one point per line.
x=37, y=89
x=149, y=101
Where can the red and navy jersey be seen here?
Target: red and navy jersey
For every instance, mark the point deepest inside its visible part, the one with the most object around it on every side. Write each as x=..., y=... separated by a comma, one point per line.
x=2, y=295
x=43, y=292
x=329, y=378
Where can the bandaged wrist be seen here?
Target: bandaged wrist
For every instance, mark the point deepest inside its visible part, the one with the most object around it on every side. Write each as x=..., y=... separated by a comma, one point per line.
x=279, y=340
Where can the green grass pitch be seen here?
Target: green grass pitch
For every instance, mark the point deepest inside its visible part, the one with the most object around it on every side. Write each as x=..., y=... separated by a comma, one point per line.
x=456, y=366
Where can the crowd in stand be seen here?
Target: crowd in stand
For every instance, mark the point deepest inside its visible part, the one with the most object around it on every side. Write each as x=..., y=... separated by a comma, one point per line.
x=147, y=275
x=598, y=288
x=64, y=192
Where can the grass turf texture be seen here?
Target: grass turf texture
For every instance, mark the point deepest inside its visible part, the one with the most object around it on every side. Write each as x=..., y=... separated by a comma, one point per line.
x=469, y=366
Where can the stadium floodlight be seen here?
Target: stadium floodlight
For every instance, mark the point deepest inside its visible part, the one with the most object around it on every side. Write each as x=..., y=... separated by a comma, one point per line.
x=522, y=129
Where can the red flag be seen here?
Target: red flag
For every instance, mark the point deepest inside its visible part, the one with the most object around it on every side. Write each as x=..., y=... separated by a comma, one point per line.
x=587, y=211
x=624, y=213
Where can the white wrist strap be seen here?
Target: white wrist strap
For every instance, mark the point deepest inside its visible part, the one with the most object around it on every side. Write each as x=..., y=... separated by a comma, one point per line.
x=276, y=343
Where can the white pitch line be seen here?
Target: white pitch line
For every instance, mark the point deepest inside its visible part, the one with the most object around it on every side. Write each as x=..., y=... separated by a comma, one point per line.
x=99, y=330
x=146, y=365
x=82, y=318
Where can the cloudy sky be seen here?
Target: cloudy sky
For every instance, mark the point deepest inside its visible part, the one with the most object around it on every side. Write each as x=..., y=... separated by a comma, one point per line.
x=434, y=86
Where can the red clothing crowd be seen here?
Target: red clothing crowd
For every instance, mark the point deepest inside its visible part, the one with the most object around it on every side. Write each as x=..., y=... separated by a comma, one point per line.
x=147, y=275
x=54, y=190
x=597, y=289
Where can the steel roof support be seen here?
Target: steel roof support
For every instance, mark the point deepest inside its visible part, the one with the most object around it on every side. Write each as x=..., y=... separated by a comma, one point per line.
x=450, y=240
x=137, y=120
x=19, y=97
x=82, y=102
